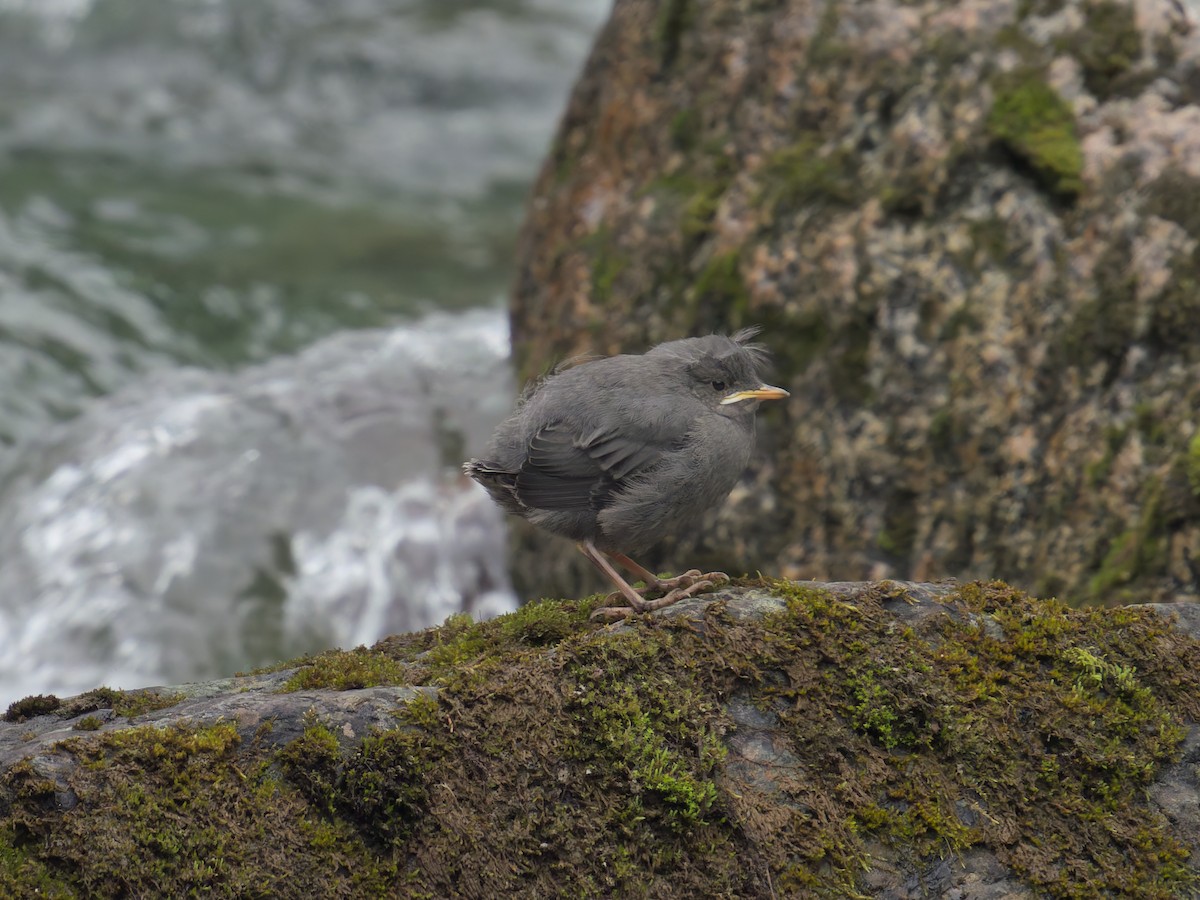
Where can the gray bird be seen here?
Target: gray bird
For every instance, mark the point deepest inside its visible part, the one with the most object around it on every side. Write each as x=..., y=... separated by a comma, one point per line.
x=616, y=452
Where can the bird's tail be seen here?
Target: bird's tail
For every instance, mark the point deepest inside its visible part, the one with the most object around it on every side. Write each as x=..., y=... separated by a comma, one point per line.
x=499, y=483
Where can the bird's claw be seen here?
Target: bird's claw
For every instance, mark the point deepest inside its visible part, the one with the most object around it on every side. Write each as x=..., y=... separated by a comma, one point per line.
x=690, y=583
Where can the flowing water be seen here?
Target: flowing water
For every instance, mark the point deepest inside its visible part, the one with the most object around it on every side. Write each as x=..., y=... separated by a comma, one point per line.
x=253, y=256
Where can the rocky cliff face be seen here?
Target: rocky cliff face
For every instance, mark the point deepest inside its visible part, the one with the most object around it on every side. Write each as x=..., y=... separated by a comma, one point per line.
x=773, y=739
x=971, y=229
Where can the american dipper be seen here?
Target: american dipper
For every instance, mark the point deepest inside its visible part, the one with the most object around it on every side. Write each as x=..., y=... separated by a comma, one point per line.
x=616, y=452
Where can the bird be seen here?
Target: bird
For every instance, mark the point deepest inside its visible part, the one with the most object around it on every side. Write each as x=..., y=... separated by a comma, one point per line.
x=616, y=452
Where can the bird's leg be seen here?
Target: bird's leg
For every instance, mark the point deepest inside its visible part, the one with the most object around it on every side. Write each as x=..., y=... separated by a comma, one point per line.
x=596, y=558
x=675, y=589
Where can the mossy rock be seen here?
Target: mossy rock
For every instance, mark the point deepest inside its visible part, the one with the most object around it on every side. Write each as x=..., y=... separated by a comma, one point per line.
x=772, y=739
x=956, y=226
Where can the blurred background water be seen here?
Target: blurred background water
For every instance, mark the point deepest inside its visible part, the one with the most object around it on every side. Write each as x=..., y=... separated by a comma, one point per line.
x=253, y=258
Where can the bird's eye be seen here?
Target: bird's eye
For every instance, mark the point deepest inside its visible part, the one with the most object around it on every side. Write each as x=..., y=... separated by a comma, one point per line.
x=718, y=385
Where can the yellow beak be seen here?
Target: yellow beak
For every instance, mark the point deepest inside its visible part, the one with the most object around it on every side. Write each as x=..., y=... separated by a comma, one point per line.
x=762, y=392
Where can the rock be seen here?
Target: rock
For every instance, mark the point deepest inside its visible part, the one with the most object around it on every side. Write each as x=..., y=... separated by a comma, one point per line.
x=771, y=739
x=971, y=231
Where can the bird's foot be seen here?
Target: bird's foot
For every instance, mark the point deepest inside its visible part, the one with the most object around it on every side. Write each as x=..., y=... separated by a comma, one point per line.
x=694, y=585
x=665, y=585
x=689, y=584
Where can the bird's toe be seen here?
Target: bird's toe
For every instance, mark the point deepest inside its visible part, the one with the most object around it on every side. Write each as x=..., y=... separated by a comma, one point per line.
x=678, y=581
x=682, y=593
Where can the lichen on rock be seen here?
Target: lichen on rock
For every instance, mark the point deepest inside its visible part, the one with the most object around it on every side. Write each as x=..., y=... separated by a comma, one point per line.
x=970, y=231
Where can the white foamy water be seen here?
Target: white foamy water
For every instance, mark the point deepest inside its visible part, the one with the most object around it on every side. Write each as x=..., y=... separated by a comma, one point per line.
x=201, y=523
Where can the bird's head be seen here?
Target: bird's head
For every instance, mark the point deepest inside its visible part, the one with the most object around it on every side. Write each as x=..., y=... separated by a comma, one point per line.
x=723, y=371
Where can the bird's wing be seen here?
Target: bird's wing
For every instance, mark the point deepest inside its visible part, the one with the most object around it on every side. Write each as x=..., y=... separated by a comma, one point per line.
x=566, y=471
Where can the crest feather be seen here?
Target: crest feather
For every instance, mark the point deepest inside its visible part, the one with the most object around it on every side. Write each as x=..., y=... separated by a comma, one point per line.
x=743, y=338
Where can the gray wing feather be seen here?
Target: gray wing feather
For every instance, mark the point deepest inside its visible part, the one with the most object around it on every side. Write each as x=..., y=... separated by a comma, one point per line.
x=563, y=471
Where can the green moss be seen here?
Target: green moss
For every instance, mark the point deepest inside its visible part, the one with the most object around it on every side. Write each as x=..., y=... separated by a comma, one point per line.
x=801, y=176
x=673, y=20
x=463, y=651
x=562, y=161
x=140, y=702
x=25, y=873
x=963, y=320
x=124, y=703
x=640, y=728
x=31, y=707
x=850, y=358
x=1150, y=424
x=178, y=812
x=1175, y=313
x=538, y=623
x=1013, y=37
x=1027, y=8
x=1137, y=551
x=694, y=198
x=825, y=49
x=899, y=701
x=382, y=787
x=1103, y=329
x=943, y=431
x=990, y=236
x=378, y=786
x=900, y=517
x=686, y=128
x=1193, y=463
x=1107, y=47
x=312, y=763
x=720, y=282
x=460, y=641
x=808, y=336
x=1096, y=674
x=1096, y=471
x=88, y=723
x=607, y=265
x=1175, y=196
x=906, y=195
x=346, y=670
x=562, y=758
x=871, y=711
x=701, y=209
x=1038, y=127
